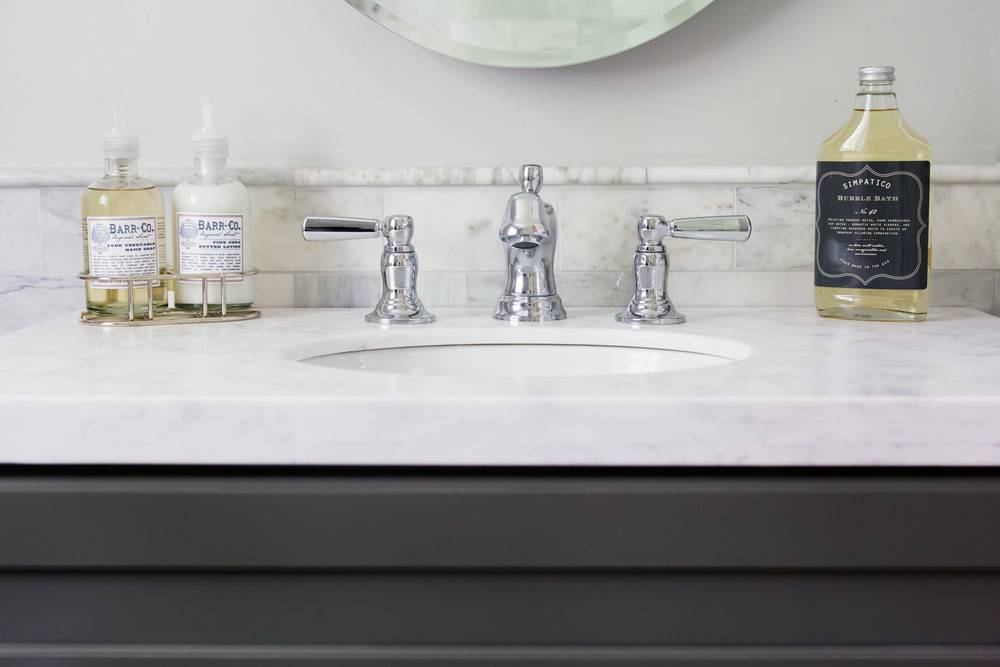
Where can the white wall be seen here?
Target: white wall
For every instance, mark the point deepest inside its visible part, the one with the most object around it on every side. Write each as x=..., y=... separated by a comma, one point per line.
x=312, y=82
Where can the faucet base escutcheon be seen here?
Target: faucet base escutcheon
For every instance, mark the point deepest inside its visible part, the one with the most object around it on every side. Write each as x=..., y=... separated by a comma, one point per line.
x=650, y=312
x=520, y=308
x=399, y=312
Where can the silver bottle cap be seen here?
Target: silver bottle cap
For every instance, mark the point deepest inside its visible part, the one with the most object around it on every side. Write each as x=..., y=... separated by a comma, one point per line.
x=884, y=73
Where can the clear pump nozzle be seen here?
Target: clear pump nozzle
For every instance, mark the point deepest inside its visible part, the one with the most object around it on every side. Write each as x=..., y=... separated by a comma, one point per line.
x=116, y=144
x=209, y=141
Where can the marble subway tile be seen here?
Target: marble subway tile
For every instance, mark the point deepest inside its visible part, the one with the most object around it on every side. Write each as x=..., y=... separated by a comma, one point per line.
x=442, y=290
x=336, y=290
x=783, y=224
x=362, y=290
x=741, y=288
x=29, y=298
x=965, y=226
x=62, y=242
x=456, y=227
x=274, y=290
x=20, y=230
x=963, y=288
x=278, y=242
x=484, y=288
x=599, y=225
x=583, y=289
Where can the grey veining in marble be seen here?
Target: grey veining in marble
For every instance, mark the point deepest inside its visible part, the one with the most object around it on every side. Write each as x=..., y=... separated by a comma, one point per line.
x=965, y=227
x=336, y=290
x=963, y=288
x=456, y=229
x=502, y=175
x=27, y=299
x=361, y=290
x=81, y=177
x=62, y=241
x=789, y=373
x=599, y=225
x=783, y=233
x=20, y=233
x=604, y=175
x=278, y=242
x=485, y=288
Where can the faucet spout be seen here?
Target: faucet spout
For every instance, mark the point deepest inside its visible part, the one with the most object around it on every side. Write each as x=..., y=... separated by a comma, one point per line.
x=528, y=234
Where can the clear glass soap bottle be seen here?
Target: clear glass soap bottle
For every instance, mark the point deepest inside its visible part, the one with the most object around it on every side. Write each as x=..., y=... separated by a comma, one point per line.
x=873, y=211
x=123, y=231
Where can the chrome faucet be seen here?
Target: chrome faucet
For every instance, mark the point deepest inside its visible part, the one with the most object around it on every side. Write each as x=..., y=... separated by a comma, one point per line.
x=650, y=303
x=528, y=234
x=399, y=303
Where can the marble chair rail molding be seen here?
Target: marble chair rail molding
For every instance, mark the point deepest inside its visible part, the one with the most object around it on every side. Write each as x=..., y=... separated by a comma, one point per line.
x=457, y=209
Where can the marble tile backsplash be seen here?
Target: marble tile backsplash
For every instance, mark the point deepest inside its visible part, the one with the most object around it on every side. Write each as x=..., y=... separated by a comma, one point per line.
x=461, y=259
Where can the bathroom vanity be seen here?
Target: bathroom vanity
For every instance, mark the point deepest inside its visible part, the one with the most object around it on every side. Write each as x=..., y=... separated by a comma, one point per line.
x=755, y=487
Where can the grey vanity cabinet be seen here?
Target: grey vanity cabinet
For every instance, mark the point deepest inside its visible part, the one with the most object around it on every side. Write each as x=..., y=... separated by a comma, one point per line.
x=211, y=566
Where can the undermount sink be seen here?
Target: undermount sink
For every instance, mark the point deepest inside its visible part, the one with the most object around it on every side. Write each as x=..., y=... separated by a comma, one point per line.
x=567, y=353
x=518, y=360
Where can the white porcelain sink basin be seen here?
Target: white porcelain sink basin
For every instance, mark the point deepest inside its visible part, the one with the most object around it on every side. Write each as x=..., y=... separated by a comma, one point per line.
x=518, y=360
x=480, y=348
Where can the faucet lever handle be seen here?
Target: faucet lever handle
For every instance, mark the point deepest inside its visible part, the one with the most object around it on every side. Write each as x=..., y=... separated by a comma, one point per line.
x=650, y=303
x=397, y=229
x=712, y=228
x=399, y=303
x=654, y=228
x=340, y=228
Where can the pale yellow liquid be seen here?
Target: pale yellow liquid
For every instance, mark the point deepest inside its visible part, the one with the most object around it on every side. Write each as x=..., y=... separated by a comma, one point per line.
x=139, y=202
x=871, y=136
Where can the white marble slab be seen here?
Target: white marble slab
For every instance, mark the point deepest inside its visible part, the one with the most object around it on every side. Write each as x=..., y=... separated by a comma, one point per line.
x=26, y=299
x=20, y=233
x=801, y=391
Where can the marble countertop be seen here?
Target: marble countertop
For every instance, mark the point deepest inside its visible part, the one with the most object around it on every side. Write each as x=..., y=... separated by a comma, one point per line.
x=800, y=391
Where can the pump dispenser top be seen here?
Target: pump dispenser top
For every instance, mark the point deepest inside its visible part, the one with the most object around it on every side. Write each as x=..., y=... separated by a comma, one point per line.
x=209, y=141
x=118, y=145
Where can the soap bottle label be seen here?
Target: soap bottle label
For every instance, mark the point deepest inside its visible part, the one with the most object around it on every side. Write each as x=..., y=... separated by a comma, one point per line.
x=872, y=224
x=122, y=246
x=210, y=243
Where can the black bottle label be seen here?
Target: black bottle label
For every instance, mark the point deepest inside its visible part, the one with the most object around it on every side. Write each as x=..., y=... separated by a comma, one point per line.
x=872, y=224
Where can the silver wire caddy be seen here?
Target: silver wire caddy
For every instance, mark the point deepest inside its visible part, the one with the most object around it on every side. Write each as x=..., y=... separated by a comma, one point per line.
x=146, y=283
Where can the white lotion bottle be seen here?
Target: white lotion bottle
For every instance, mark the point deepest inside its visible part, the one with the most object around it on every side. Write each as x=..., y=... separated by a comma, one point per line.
x=211, y=231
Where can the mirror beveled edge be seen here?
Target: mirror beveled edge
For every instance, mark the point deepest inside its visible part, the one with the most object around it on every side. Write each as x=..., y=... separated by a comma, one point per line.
x=597, y=49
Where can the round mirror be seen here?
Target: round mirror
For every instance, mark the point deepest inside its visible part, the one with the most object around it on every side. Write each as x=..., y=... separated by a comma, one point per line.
x=529, y=33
